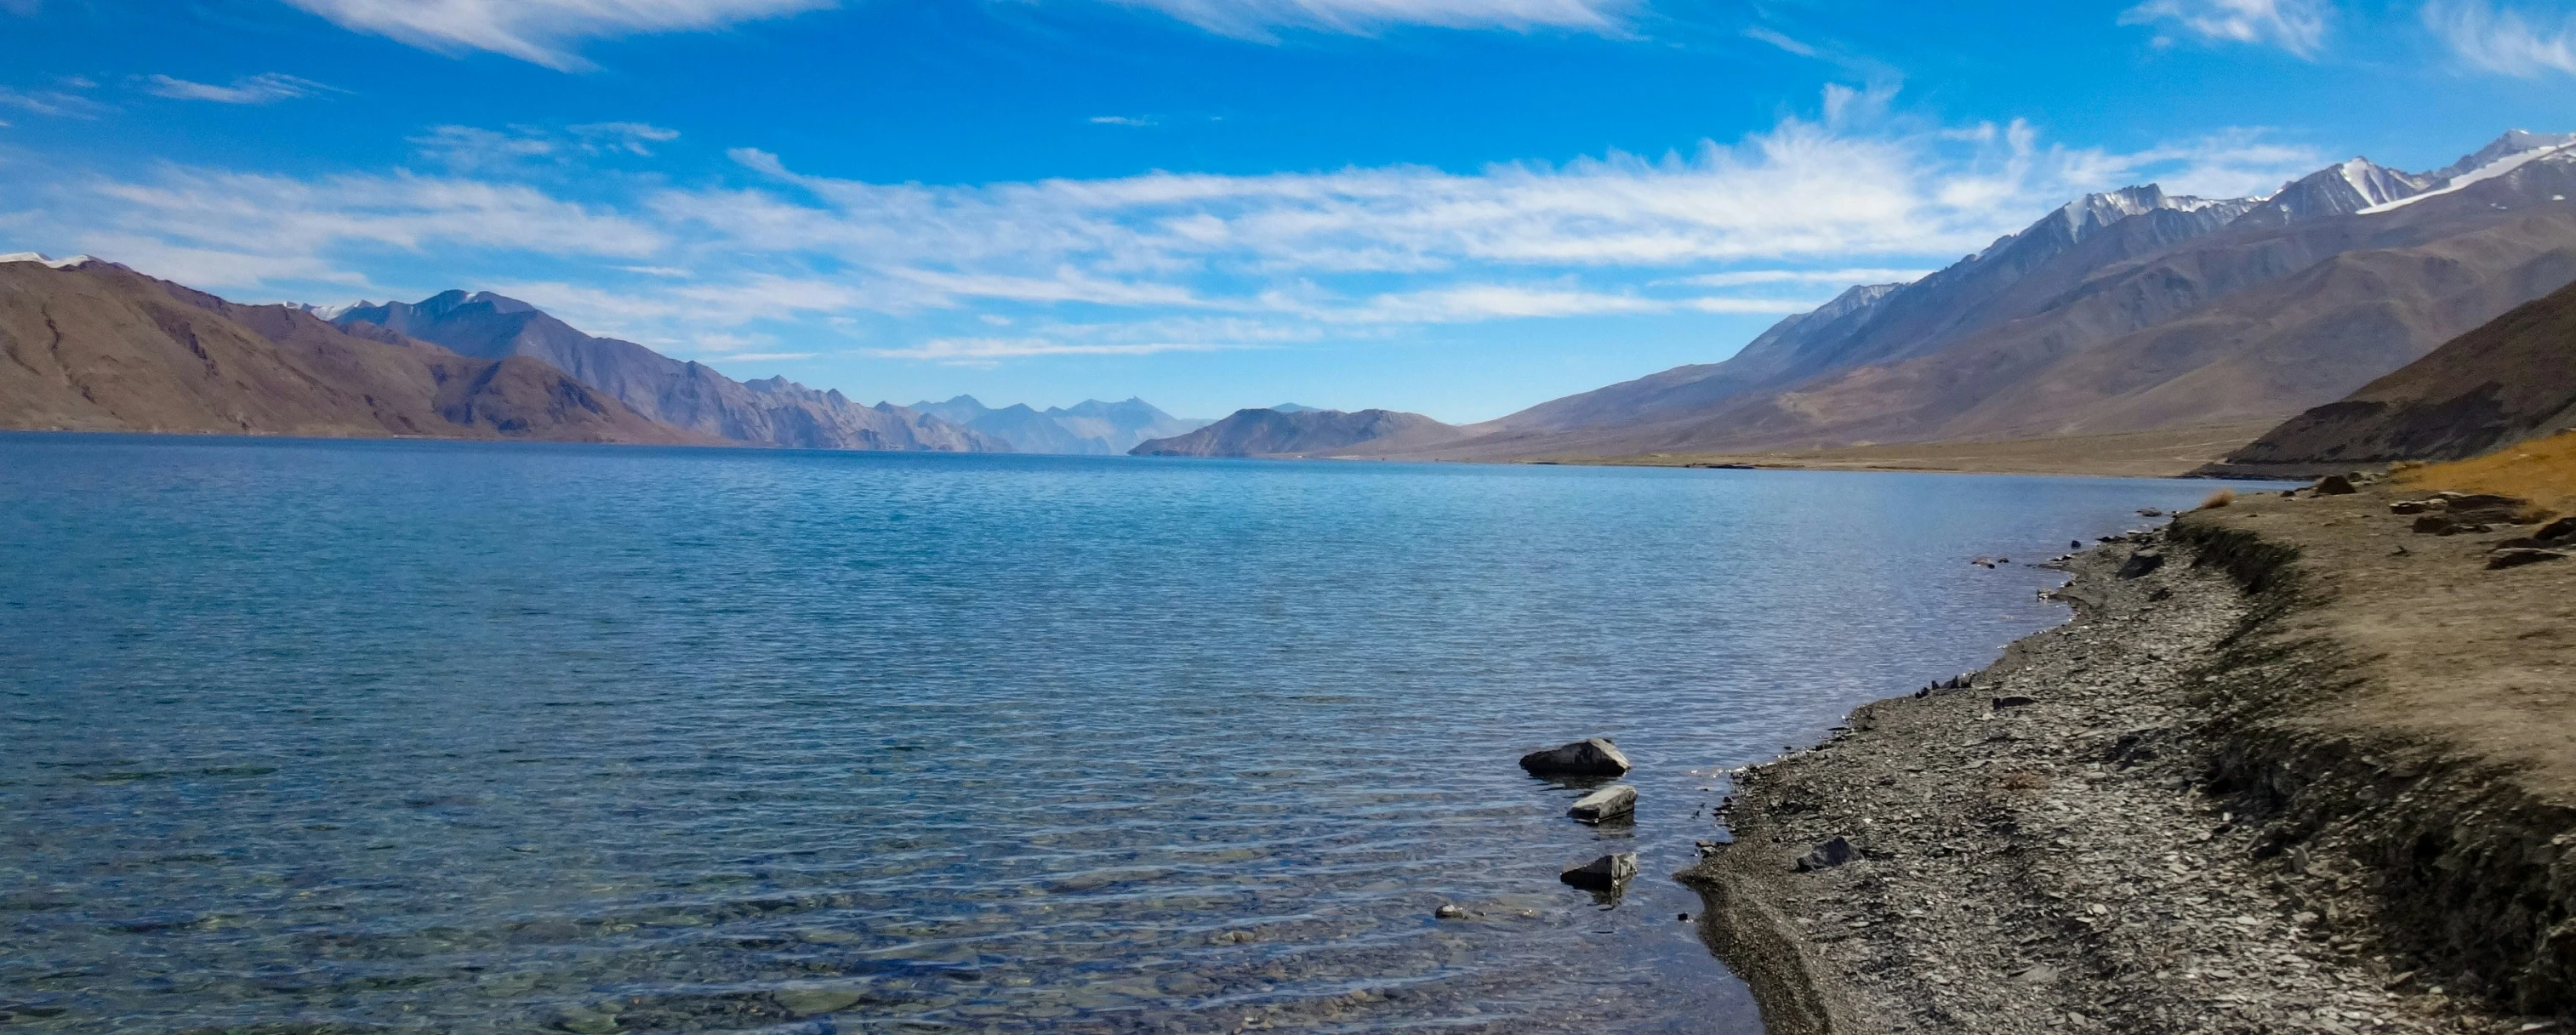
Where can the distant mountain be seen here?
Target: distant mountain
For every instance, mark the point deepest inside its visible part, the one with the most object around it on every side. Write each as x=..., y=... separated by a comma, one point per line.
x=2513, y=378
x=1090, y=427
x=775, y=412
x=94, y=346
x=2120, y=312
x=1303, y=432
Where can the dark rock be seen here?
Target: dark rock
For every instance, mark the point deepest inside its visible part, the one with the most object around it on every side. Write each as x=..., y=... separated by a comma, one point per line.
x=1828, y=855
x=1608, y=803
x=2075, y=544
x=1602, y=874
x=2415, y=506
x=2445, y=524
x=2014, y=702
x=2519, y=556
x=1449, y=912
x=2563, y=529
x=2141, y=562
x=2334, y=485
x=1594, y=757
x=2150, y=512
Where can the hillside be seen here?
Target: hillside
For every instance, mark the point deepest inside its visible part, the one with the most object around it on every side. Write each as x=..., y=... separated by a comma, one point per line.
x=2119, y=313
x=774, y=412
x=2510, y=379
x=93, y=346
x=1299, y=433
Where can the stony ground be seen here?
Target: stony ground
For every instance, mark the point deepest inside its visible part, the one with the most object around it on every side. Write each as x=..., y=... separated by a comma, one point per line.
x=2041, y=852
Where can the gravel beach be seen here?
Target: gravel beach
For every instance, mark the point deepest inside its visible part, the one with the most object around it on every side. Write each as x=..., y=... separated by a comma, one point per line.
x=2140, y=822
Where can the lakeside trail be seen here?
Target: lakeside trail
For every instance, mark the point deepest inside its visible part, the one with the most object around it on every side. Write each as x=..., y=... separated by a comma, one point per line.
x=2313, y=772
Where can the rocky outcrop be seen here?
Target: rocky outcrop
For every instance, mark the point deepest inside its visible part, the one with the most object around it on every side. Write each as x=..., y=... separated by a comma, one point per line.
x=98, y=347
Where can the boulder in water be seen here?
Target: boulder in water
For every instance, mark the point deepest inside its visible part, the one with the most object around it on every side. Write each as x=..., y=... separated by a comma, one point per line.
x=1602, y=874
x=1612, y=802
x=1594, y=757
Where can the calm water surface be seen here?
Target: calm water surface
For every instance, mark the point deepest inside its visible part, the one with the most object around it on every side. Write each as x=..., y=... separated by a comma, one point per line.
x=312, y=737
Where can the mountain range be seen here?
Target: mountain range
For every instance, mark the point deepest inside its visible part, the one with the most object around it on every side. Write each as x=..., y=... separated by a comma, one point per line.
x=2119, y=312
x=686, y=395
x=94, y=346
x=1091, y=427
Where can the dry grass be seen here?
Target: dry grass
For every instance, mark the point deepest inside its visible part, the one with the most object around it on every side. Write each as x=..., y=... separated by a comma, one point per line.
x=2218, y=499
x=2541, y=470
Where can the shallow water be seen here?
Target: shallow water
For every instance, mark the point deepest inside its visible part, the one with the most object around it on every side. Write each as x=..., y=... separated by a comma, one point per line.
x=452, y=737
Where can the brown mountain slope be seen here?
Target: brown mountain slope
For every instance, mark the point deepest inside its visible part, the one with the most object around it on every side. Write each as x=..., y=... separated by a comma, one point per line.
x=774, y=412
x=2248, y=324
x=1302, y=433
x=2511, y=379
x=99, y=347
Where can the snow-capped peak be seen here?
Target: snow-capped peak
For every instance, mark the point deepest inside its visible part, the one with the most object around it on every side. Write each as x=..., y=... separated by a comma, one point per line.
x=2504, y=162
x=75, y=262
x=331, y=313
x=2513, y=142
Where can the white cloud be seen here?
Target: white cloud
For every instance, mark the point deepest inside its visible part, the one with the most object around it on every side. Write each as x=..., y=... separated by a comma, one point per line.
x=1130, y=265
x=2233, y=163
x=267, y=88
x=1779, y=39
x=2503, y=40
x=1121, y=120
x=2297, y=26
x=1258, y=19
x=1845, y=276
x=541, y=31
x=985, y=351
x=767, y=357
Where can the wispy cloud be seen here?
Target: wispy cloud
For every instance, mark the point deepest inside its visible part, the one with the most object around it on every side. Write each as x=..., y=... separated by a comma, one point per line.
x=267, y=88
x=1121, y=120
x=2503, y=40
x=986, y=351
x=1130, y=265
x=62, y=101
x=2297, y=26
x=1261, y=19
x=474, y=149
x=541, y=31
x=769, y=357
x=1779, y=39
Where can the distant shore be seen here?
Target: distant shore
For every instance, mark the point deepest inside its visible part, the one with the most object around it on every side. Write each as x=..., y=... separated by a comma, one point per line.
x=2167, y=453
x=2294, y=770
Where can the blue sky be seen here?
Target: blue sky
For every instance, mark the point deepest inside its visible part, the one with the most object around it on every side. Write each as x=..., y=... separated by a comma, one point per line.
x=1457, y=207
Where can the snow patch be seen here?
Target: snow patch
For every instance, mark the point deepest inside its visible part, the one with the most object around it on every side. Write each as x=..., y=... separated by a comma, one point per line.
x=2489, y=171
x=75, y=262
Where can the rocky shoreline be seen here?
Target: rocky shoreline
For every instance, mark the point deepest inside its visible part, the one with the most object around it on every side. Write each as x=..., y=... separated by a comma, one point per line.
x=2144, y=820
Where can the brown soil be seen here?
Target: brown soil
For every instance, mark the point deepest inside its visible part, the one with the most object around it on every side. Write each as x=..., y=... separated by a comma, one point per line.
x=2317, y=773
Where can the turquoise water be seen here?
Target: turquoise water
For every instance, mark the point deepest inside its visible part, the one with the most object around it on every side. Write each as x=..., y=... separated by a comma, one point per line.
x=358, y=736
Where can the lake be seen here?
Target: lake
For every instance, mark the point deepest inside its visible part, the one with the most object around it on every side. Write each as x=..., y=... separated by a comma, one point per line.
x=417, y=736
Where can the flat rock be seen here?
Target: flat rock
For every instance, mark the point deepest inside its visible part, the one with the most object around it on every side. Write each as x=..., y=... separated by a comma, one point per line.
x=2515, y=557
x=1593, y=757
x=1608, y=803
x=1602, y=874
x=2335, y=485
